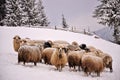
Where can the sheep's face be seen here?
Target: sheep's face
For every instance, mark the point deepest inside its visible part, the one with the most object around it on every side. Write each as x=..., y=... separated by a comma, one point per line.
x=23, y=42
x=107, y=60
x=60, y=50
x=17, y=39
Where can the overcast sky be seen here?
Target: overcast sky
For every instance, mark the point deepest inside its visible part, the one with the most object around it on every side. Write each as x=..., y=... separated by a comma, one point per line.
x=77, y=12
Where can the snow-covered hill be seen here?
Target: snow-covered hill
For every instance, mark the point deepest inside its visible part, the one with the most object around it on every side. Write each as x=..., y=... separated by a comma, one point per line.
x=106, y=33
x=10, y=70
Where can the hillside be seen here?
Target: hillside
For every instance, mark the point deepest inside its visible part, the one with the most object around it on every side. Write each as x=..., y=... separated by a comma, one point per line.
x=105, y=33
x=10, y=70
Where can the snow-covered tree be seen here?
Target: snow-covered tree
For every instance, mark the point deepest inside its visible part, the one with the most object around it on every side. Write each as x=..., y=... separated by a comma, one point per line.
x=2, y=11
x=33, y=13
x=13, y=13
x=109, y=14
x=41, y=18
x=27, y=8
x=64, y=24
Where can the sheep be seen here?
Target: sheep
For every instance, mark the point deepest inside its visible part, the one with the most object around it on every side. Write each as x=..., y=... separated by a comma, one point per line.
x=16, y=42
x=73, y=48
x=46, y=55
x=59, y=58
x=107, y=60
x=92, y=63
x=74, y=59
x=60, y=42
x=23, y=42
x=82, y=46
x=30, y=42
x=48, y=44
x=91, y=48
x=75, y=43
x=28, y=53
x=38, y=41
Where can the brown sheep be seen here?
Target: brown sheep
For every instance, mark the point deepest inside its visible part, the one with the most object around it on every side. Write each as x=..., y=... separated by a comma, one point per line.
x=59, y=58
x=31, y=42
x=73, y=48
x=28, y=53
x=75, y=43
x=60, y=42
x=74, y=59
x=107, y=60
x=91, y=48
x=46, y=55
x=16, y=42
x=92, y=63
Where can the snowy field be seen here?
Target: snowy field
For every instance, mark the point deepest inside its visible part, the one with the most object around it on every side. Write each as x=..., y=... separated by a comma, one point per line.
x=11, y=70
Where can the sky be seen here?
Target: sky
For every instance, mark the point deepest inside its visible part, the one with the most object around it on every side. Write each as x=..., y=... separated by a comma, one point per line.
x=78, y=13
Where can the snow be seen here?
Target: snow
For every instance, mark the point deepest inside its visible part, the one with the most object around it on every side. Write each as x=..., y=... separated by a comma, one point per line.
x=11, y=70
x=106, y=33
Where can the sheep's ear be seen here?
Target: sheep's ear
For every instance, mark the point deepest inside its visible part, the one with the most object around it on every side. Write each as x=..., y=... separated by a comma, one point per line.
x=65, y=50
x=20, y=41
x=13, y=37
x=19, y=38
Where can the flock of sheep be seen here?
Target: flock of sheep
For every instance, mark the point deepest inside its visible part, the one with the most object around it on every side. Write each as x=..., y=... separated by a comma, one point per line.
x=59, y=53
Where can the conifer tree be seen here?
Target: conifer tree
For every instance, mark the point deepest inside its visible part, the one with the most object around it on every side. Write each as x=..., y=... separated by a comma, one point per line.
x=2, y=11
x=41, y=18
x=64, y=24
x=108, y=12
x=13, y=13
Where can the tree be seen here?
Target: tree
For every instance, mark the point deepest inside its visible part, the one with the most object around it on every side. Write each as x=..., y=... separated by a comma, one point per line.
x=33, y=13
x=64, y=24
x=2, y=11
x=109, y=14
x=27, y=8
x=41, y=19
x=13, y=14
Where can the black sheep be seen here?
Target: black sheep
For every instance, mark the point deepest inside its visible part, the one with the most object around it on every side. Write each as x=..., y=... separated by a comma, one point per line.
x=47, y=44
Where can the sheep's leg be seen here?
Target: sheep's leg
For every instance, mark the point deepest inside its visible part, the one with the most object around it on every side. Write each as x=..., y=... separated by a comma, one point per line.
x=98, y=74
x=78, y=68
x=35, y=63
x=40, y=61
x=24, y=62
x=75, y=68
x=18, y=61
x=111, y=69
x=86, y=71
x=60, y=68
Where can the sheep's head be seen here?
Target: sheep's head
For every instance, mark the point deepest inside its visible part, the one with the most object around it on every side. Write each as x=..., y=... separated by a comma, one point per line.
x=23, y=42
x=17, y=38
x=75, y=43
x=107, y=60
x=40, y=47
x=60, y=51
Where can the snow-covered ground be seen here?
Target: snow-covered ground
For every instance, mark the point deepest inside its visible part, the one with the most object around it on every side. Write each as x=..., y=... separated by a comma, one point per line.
x=10, y=70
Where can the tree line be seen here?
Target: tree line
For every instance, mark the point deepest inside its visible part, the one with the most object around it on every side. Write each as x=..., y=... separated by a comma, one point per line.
x=23, y=13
